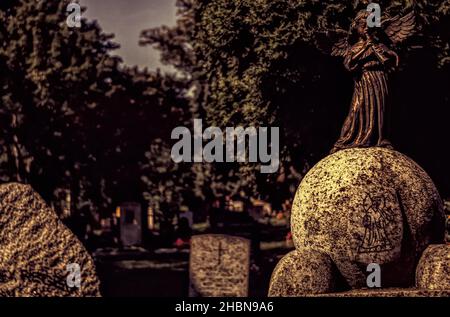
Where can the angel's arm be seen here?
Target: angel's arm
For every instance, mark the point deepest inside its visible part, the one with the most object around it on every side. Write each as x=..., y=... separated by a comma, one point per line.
x=380, y=51
x=394, y=55
x=352, y=58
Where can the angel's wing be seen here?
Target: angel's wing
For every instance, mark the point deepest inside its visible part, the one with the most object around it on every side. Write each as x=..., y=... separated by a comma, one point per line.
x=399, y=28
x=332, y=42
x=340, y=48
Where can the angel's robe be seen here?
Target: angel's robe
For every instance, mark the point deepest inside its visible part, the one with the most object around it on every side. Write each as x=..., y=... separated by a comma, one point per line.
x=366, y=123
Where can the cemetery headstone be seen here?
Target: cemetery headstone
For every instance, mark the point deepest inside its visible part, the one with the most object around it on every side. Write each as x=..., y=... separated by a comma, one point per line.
x=130, y=224
x=189, y=215
x=219, y=266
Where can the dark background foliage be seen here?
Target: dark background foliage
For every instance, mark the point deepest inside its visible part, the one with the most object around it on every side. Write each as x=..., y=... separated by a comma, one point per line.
x=73, y=118
x=258, y=63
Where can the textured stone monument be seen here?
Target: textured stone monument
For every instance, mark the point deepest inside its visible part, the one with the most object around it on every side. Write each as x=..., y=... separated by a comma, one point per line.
x=433, y=270
x=356, y=207
x=37, y=252
x=219, y=266
x=365, y=204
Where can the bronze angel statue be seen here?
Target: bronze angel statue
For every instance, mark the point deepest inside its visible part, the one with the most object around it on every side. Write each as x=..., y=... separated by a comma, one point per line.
x=369, y=54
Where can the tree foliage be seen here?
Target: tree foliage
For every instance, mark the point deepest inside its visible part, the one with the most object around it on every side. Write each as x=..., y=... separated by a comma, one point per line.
x=257, y=63
x=72, y=117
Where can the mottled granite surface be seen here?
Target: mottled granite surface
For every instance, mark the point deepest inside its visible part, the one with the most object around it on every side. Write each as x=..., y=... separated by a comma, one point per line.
x=36, y=247
x=370, y=205
x=361, y=206
x=390, y=292
x=433, y=270
x=303, y=272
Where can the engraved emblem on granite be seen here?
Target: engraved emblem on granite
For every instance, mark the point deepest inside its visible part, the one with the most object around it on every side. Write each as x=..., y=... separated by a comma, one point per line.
x=376, y=218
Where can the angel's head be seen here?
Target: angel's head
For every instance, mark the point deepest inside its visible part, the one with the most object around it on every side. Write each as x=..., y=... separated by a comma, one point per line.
x=359, y=26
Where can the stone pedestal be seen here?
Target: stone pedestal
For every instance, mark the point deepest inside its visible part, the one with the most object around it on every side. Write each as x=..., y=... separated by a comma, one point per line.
x=433, y=270
x=357, y=207
x=303, y=272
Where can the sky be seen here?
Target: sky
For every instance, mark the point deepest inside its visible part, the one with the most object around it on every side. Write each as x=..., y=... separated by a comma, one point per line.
x=126, y=19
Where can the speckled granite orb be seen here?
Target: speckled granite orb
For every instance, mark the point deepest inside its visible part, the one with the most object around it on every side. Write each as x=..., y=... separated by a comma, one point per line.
x=390, y=292
x=433, y=270
x=35, y=249
x=302, y=272
x=368, y=205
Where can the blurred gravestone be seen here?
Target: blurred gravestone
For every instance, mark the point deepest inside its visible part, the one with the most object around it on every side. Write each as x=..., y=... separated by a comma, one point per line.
x=130, y=224
x=219, y=266
x=189, y=215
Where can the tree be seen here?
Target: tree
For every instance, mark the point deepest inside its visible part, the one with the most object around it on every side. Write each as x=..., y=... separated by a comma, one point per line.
x=54, y=79
x=257, y=63
x=72, y=117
